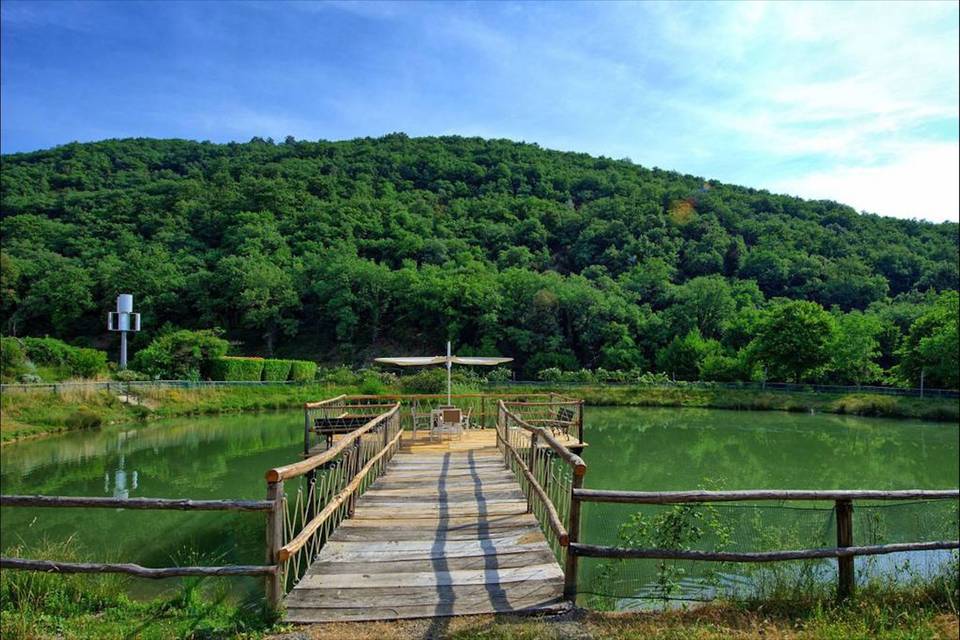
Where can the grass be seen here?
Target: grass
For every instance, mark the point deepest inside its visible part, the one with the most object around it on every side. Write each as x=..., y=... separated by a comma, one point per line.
x=914, y=614
x=26, y=414
x=36, y=605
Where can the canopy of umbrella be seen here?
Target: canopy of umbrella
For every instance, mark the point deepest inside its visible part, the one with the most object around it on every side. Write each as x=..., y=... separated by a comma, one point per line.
x=448, y=360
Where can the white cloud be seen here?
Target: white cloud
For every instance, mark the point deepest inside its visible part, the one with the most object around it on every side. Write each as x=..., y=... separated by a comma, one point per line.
x=921, y=183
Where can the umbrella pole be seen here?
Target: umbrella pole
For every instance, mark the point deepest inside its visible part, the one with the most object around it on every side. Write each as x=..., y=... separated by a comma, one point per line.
x=449, y=376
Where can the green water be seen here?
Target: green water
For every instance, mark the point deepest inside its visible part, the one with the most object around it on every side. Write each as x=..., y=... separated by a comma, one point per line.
x=201, y=458
x=630, y=448
x=666, y=449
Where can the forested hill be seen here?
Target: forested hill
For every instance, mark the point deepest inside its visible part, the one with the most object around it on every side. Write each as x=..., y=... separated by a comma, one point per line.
x=339, y=249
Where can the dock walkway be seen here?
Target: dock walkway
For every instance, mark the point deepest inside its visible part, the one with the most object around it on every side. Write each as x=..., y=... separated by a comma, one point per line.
x=445, y=531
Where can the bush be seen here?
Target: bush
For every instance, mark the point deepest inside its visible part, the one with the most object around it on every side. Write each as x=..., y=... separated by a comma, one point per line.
x=302, y=370
x=65, y=360
x=426, y=381
x=129, y=375
x=276, y=370
x=181, y=355
x=341, y=375
x=500, y=374
x=86, y=363
x=372, y=385
x=234, y=368
x=13, y=359
x=550, y=374
x=84, y=419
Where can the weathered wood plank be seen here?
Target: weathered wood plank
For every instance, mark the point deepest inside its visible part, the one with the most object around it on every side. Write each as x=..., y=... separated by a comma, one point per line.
x=380, y=535
x=420, y=510
x=338, y=551
x=360, y=581
x=437, y=524
x=396, y=563
x=456, y=607
x=408, y=596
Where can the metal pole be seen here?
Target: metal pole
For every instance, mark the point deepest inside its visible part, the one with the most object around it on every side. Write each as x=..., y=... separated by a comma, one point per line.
x=449, y=375
x=123, y=349
x=921, y=382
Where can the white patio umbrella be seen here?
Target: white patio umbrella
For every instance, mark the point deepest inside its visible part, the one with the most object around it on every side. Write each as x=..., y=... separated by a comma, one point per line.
x=448, y=360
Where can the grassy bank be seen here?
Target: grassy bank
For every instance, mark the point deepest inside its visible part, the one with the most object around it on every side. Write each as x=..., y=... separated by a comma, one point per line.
x=26, y=414
x=37, y=605
x=860, y=404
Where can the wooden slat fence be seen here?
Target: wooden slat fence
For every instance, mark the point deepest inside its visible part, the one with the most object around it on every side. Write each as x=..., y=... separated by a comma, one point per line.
x=328, y=486
x=548, y=474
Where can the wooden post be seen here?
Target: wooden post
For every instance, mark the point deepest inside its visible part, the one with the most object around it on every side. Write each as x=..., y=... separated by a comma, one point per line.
x=573, y=536
x=846, y=580
x=354, y=467
x=274, y=583
x=531, y=465
x=306, y=432
x=483, y=412
x=580, y=424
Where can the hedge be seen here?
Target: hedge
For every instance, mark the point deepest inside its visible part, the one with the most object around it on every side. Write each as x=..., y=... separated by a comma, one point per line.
x=302, y=370
x=276, y=370
x=75, y=361
x=234, y=368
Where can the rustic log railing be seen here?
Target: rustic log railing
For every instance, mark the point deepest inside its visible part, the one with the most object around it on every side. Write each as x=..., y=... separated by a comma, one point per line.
x=844, y=552
x=54, y=566
x=329, y=484
x=548, y=474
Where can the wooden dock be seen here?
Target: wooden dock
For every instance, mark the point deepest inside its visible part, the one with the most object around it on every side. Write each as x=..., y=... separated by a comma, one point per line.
x=445, y=531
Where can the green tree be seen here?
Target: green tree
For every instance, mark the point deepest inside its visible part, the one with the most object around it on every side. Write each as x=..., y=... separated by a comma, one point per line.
x=855, y=348
x=932, y=346
x=793, y=339
x=180, y=355
x=684, y=356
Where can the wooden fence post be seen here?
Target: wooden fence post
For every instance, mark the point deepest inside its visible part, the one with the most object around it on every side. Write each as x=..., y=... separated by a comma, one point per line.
x=274, y=583
x=483, y=412
x=354, y=470
x=531, y=465
x=573, y=536
x=846, y=579
x=580, y=424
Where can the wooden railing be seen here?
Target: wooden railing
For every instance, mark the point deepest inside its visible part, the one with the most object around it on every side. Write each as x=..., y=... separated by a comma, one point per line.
x=548, y=474
x=844, y=552
x=329, y=484
x=25, y=564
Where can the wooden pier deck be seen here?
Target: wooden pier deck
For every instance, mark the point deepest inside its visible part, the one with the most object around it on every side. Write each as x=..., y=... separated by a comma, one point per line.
x=445, y=531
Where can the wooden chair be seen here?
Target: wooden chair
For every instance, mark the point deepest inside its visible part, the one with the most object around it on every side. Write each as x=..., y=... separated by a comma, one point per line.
x=448, y=420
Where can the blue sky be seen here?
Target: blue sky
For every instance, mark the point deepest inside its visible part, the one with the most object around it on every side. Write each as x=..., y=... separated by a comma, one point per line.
x=854, y=102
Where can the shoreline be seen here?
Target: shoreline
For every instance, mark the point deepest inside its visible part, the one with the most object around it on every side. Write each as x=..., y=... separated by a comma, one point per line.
x=27, y=416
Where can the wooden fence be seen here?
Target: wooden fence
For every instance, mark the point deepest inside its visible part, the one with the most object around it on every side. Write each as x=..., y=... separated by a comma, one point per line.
x=137, y=503
x=548, y=474
x=557, y=499
x=329, y=484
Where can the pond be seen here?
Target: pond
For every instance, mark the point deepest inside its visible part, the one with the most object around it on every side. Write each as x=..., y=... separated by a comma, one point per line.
x=630, y=448
x=646, y=449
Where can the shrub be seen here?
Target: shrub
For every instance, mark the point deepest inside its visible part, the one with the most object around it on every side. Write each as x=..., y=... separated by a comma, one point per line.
x=86, y=363
x=276, y=370
x=181, y=355
x=371, y=385
x=550, y=374
x=426, y=381
x=84, y=419
x=234, y=368
x=302, y=370
x=500, y=374
x=339, y=375
x=64, y=360
x=13, y=359
x=129, y=375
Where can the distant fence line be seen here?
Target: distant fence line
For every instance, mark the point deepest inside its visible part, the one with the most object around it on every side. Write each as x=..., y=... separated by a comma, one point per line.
x=117, y=386
x=789, y=387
